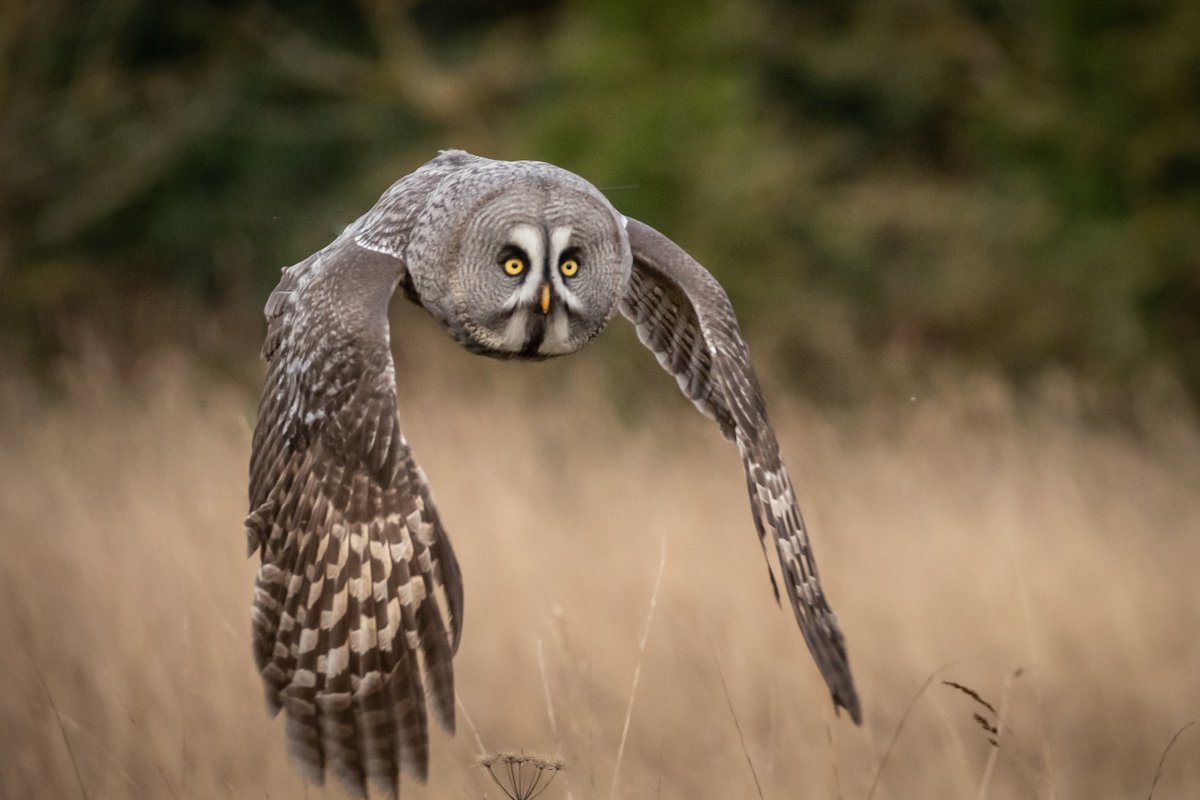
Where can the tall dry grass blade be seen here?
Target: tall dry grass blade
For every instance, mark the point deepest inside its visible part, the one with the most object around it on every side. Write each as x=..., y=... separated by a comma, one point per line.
x=837, y=777
x=971, y=693
x=166, y=782
x=1027, y=617
x=1162, y=759
x=998, y=728
x=736, y=723
x=982, y=720
x=900, y=725
x=637, y=670
x=541, y=655
x=470, y=724
x=58, y=718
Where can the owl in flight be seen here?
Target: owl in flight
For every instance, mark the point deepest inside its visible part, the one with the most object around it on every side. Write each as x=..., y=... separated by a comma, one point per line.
x=518, y=260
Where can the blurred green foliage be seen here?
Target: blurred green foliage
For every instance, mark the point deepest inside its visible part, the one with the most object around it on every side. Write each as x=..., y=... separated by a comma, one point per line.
x=1005, y=182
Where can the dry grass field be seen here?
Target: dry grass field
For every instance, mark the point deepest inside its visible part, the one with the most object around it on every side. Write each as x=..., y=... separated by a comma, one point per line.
x=1048, y=564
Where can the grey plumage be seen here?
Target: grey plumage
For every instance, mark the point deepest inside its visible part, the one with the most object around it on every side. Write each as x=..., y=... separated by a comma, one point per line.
x=516, y=260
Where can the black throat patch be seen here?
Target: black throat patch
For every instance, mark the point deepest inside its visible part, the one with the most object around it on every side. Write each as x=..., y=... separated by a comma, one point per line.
x=535, y=333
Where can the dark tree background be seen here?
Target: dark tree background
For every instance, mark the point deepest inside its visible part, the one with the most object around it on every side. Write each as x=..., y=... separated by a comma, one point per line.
x=881, y=185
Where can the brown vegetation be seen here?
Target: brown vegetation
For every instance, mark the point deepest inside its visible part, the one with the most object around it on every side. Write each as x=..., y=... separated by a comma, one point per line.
x=962, y=537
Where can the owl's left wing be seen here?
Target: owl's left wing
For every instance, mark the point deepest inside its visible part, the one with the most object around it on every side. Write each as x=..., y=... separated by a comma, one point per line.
x=684, y=316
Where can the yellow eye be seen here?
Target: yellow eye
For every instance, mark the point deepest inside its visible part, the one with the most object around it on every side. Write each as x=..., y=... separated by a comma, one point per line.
x=514, y=266
x=569, y=267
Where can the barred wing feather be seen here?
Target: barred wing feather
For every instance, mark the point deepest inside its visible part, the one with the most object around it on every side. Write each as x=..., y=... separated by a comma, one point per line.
x=353, y=552
x=684, y=316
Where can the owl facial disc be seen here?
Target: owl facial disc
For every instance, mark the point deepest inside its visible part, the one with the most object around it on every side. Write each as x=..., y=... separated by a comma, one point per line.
x=541, y=306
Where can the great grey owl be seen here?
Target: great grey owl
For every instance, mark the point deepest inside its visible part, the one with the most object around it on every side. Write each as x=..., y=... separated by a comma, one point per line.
x=517, y=260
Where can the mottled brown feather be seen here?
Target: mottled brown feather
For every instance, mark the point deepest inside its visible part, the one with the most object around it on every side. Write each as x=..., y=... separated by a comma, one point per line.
x=352, y=549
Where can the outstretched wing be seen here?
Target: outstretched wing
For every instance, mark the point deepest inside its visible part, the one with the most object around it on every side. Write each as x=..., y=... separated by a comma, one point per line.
x=352, y=548
x=684, y=316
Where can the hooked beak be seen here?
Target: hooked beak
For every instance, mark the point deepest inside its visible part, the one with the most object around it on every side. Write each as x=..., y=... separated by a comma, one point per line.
x=545, y=298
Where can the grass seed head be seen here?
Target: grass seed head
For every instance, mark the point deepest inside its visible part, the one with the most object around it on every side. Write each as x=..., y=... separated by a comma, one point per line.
x=521, y=776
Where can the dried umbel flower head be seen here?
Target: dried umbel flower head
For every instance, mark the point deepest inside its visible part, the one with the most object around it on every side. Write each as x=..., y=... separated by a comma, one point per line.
x=520, y=776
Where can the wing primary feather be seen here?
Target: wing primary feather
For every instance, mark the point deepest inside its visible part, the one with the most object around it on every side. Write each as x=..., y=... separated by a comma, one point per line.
x=684, y=316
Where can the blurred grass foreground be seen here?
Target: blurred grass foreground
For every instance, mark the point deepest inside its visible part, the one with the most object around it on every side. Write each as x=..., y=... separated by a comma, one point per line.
x=1045, y=564
x=962, y=239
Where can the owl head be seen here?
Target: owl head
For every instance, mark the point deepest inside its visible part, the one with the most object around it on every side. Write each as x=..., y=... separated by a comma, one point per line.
x=520, y=259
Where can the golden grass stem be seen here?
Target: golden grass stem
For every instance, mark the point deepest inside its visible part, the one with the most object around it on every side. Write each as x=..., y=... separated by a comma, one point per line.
x=736, y=724
x=58, y=718
x=541, y=656
x=989, y=768
x=837, y=778
x=637, y=670
x=900, y=725
x=1027, y=618
x=470, y=724
x=1162, y=759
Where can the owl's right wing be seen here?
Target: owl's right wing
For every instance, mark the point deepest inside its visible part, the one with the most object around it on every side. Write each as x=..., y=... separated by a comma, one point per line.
x=684, y=316
x=353, y=551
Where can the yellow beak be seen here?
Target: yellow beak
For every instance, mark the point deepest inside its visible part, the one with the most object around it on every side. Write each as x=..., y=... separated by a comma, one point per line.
x=545, y=299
